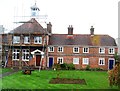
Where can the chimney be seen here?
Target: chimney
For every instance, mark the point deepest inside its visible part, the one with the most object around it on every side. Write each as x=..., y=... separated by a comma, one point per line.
x=49, y=27
x=70, y=30
x=91, y=31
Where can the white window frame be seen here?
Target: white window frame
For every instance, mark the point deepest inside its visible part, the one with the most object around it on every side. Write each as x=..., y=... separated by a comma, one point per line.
x=85, y=61
x=16, y=39
x=75, y=60
x=51, y=49
x=38, y=39
x=25, y=54
x=28, y=40
x=15, y=51
x=60, y=59
x=113, y=51
x=101, y=50
x=74, y=50
x=84, y=50
x=103, y=61
x=60, y=49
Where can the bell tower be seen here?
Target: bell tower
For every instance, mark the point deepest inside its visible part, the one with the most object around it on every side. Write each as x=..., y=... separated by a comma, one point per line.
x=34, y=10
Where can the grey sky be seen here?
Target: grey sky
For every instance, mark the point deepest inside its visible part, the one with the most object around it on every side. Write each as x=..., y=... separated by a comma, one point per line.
x=82, y=14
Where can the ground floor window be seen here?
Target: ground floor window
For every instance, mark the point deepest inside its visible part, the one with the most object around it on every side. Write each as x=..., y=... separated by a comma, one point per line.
x=75, y=60
x=16, y=54
x=25, y=55
x=85, y=61
x=60, y=60
x=101, y=61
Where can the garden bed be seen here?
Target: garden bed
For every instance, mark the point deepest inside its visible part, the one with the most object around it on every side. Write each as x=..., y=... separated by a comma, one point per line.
x=67, y=81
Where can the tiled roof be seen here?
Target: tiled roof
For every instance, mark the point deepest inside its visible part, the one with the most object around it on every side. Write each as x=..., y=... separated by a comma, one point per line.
x=32, y=26
x=82, y=39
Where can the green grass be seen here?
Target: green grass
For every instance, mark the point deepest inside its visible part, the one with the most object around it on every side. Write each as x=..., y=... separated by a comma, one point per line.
x=40, y=80
x=4, y=70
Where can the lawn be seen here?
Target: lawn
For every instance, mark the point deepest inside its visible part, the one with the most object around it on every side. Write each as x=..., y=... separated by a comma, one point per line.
x=4, y=70
x=40, y=80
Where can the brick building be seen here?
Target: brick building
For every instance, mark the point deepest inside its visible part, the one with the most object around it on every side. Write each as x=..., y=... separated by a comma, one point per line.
x=32, y=45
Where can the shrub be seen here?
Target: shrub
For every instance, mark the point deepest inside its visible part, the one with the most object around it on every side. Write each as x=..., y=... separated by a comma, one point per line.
x=71, y=66
x=64, y=66
x=56, y=66
x=87, y=67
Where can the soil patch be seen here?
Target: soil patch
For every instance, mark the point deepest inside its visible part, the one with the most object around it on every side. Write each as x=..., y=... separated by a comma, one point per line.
x=67, y=81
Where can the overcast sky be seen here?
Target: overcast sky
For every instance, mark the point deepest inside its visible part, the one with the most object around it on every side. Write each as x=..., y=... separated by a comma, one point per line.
x=82, y=14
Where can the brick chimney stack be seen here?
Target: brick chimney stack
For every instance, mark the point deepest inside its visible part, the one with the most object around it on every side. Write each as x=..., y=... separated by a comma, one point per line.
x=92, y=31
x=70, y=30
x=49, y=27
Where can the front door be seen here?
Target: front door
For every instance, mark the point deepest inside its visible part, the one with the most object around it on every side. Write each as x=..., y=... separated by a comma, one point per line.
x=111, y=64
x=50, y=62
x=38, y=59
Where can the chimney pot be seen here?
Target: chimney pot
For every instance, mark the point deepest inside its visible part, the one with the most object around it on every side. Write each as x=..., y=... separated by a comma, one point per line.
x=92, y=30
x=70, y=30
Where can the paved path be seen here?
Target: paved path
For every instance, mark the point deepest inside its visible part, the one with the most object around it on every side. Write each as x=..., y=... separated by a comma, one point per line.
x=8, y=73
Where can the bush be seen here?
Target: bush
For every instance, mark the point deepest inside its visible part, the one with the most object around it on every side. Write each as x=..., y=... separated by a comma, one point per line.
x=64, y=66
x=87, y=67
x=56, y=66
x=71, y=66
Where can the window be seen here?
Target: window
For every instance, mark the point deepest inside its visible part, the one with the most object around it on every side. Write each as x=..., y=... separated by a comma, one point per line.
x=16, y=54
x=16, y=39
x=101, y=61
x=76, y=50
x=111, y=51
x=60, y=60
x=86, y=61
x=25, y=55
x=60, y=49
x=86, y=50
x=51, y=49
x=26, y=39
x=75, y=60
x=101, y=50
x=37, y=40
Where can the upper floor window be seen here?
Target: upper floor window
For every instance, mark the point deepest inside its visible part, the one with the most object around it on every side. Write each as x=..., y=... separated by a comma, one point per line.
x=25, y=55
x=86, y=50
x=51, y=49
x=16, y=39
x=26, y=39
x=111, y=50
x=101, y=61
x=38, y=40
x=101, y=50
x=76, y=50
x=75, y=60
x=85, y=61
x=16, y=54
x=60, y=60
x=60, y=49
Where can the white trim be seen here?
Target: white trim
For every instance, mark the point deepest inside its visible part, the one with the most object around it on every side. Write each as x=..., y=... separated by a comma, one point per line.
x=49, y=49
x=37, y=40
x=113, y=50
x=16, y=39
x=113, y=62
x=74, y=50
x=103, y=50
x=83, y=59
x=74, y=59
x=60, y=58
x=60, y=47
x=87, y=51
x=103, y=61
